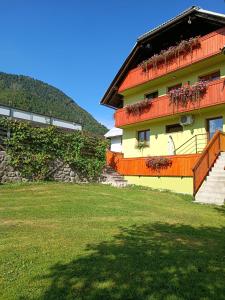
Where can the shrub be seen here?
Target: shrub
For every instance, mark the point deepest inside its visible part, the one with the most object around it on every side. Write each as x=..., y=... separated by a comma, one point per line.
x=33, y=150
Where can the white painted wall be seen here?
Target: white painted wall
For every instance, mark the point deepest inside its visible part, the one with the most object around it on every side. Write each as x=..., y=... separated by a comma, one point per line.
x=29, y=116
x=4, y=111
x=65, y=124
x=116, y=144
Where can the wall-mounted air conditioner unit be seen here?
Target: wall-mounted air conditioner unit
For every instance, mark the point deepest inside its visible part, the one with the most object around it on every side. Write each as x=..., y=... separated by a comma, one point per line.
x=186, y=120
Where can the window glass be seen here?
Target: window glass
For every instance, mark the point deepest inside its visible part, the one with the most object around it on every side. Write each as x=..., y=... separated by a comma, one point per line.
x=174, y=87
x=214, y=125
x=141, y=136
x=173, y=128
x=211, y=76
x=144, y=136
x=147, y=135
x=152, y=95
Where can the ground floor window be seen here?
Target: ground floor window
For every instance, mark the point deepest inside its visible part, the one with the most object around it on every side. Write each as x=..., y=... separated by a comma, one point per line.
x=143, y=137
x=213, y=125
x=173, y=128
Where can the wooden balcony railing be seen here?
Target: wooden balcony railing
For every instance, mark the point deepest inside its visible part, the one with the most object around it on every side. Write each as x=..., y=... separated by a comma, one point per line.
x=181, y=165
x=161, y=106
x=211, y=45
x=207, y=159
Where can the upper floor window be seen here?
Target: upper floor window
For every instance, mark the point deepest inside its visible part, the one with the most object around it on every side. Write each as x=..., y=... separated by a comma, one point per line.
x=174, y=87
x=143, y=137
x=211, y=76
x=173, y=128
x=152, y=95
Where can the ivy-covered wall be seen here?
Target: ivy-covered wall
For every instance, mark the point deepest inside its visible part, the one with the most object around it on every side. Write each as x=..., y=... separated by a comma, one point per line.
x=38, y=153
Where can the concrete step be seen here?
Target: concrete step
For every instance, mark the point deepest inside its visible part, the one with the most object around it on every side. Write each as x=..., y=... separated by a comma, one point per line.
x=110, y=173
x=117, y=176
x=120, y=180
x=210, y=201
x=214, y=195
x=220, y=161
x=221, y=166
x=110, y=176
x=217, y=173
x=213, y=190
x=119, y=185
x=214, y=184
x=218, y=168
x=215, y=179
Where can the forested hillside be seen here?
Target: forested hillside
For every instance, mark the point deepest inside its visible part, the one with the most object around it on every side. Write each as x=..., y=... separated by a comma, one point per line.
x=36, y=96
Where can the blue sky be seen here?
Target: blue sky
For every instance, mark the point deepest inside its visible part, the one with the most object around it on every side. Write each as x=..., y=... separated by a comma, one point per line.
x=79, y=45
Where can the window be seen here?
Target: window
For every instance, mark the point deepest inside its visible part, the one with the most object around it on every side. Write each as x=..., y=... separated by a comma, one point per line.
x=174, y=87
x=144, y=137
x=173, y=128
x=152, y=95
x=213, y=125
x=211, y=76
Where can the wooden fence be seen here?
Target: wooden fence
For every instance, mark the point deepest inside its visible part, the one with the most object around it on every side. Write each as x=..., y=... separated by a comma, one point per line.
x=181, y=165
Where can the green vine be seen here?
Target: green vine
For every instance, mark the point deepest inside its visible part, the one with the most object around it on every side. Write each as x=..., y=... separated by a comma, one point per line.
x=33, y=150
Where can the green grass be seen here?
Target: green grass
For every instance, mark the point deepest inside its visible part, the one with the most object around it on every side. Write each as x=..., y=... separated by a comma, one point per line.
x=62, y=241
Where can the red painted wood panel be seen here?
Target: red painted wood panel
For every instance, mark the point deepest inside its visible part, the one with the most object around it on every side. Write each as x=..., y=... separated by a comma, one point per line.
x=161, y=107
x=210, y=46
x=181, y=165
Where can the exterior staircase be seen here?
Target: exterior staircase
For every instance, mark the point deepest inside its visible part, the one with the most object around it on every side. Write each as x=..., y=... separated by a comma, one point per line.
x=212, y=191
x=110, y=176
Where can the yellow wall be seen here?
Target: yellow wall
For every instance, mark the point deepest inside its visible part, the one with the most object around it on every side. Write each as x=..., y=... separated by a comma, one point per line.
x=159, y=138
x=182, y=185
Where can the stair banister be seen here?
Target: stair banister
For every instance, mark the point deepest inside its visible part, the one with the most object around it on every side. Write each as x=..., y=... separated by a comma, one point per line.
x=207, y=159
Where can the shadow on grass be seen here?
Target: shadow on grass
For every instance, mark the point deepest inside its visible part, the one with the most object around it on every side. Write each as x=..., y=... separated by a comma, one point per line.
x=159, y=261
x=220, y=209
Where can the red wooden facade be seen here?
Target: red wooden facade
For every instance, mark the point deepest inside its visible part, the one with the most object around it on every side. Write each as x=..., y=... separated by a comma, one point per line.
x=161, y=106
x=181, y=165
x=211, y=45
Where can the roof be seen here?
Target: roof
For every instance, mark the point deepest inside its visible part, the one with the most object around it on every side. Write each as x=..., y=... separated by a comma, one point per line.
x=112, y=98
x=180, y=16
x=114, y=132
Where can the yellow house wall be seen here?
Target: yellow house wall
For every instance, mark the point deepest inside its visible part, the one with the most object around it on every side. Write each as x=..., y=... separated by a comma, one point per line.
x=159, y=138
x=182, y=185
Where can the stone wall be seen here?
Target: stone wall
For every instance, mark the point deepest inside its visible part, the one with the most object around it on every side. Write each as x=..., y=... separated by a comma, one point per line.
x=64, y=173
x=60, y=172
x=7, y=173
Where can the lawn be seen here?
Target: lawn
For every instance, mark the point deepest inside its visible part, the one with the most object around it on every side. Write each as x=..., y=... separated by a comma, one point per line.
x=64, y=241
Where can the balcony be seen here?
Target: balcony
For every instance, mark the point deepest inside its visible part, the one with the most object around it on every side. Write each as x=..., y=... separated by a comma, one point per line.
x=211, y=45
x=161, y=106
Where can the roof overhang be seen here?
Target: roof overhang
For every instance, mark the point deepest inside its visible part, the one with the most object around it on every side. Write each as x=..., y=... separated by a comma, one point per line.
x=112, y=98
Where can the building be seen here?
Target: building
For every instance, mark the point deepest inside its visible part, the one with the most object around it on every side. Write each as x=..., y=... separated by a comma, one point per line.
x=169, y=97
x=115, y=137
x=38, y=119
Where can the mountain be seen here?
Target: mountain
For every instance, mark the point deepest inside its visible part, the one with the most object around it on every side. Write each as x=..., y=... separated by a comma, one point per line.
x=36, y=96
